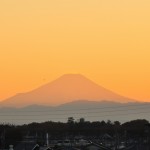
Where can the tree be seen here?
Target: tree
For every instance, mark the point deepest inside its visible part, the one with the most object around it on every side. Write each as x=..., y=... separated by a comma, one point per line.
x=70, y=120
x=81, y=120
x=117, y=123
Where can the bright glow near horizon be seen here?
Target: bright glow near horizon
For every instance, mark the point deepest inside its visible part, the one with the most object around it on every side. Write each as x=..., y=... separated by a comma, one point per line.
x=107, y=41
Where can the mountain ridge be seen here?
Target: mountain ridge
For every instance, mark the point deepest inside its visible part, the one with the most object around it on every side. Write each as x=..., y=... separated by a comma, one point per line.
x=90, y=110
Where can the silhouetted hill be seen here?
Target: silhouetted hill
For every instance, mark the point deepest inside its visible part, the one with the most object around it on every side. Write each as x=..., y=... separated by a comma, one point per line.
x=92, y=111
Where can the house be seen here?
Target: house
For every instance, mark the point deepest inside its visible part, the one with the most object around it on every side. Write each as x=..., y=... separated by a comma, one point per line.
x=107, y=140
x=37, y=147
x=94, y=146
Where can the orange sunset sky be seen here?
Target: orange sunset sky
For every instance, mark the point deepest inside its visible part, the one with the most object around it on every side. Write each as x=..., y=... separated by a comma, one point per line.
x=108, y=41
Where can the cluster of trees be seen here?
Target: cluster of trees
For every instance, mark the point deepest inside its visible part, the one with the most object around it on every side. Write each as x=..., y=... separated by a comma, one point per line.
x=10, y=134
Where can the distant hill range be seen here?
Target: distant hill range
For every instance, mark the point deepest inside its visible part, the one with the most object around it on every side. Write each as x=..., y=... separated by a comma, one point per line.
x=67, y=88
x=90, y=110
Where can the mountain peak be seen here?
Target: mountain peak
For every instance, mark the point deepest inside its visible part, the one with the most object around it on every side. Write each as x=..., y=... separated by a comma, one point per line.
x=73, y=76
x=67, y=88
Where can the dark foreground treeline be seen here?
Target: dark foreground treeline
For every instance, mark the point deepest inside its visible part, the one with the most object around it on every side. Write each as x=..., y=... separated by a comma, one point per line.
x=11, y=134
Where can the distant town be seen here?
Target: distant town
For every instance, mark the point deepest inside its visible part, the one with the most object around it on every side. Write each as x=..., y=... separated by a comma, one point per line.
x=76, y=135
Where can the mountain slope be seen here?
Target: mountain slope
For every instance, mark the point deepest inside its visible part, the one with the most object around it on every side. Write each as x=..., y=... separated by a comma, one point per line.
x=67, y=88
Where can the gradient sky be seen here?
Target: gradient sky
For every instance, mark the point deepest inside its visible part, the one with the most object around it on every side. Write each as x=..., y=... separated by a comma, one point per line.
x=106, y=40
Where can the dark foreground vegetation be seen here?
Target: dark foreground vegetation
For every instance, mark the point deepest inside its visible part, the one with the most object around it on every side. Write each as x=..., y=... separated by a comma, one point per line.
x=136, y=130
